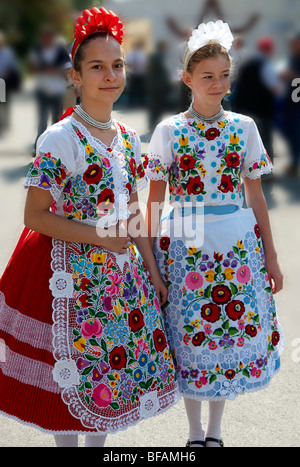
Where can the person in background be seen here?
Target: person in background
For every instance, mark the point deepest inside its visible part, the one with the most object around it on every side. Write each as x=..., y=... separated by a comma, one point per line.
x=257, y=87
x=49, y=60
x=10, y=73
x=184, y=92
x=239, y=55
x=158, y=85
x=136, y=62
x=72, y=95
x=291, y=104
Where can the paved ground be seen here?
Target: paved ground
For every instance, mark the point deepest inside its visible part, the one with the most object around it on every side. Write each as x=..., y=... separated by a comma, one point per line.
x=267, y=418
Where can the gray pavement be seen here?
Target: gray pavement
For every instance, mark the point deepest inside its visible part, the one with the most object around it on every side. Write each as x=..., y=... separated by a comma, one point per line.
x=269, y=418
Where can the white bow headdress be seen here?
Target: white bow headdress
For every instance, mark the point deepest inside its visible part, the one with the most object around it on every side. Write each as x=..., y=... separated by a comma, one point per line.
x=218, y=32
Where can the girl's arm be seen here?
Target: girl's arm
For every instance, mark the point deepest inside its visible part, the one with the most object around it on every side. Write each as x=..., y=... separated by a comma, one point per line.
x=38, y=217
x=155, y=205
x=255, y=199
x=138, y=231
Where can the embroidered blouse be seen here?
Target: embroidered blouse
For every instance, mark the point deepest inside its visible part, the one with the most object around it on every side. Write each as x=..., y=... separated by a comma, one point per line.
x=206, y=162
x=89, y=182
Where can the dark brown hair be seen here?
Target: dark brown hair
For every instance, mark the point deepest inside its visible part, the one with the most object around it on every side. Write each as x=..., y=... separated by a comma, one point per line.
x=79, y=54
x=211, y=50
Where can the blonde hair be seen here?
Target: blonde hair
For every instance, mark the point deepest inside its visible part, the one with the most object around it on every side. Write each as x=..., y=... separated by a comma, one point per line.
x=211, y=50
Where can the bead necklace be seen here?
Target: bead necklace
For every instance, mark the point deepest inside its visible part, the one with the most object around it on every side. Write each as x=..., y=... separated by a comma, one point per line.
x=198, y=116
x=88, y=119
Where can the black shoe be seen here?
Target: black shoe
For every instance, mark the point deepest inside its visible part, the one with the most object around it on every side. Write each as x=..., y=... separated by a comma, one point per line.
x=192, y=443
x=214, y=440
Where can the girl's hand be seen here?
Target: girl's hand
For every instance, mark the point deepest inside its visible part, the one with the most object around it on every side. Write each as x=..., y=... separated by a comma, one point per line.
x=161, y=290
x=115, y=239
x=275, y=275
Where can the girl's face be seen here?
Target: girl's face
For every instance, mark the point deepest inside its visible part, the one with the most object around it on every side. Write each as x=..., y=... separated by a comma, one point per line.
x=102, y=71
x=209, y=81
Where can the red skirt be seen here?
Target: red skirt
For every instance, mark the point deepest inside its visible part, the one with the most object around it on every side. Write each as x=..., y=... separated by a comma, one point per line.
x=28, y=392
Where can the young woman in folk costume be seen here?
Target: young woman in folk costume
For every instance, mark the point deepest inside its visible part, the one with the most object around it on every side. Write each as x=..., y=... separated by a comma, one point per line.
x=221, y=316
x=85, y=344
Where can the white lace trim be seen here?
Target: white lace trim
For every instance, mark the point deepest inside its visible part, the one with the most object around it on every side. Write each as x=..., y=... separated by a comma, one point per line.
x=264, y=170
x=23, y=328
x=35, y=181
x=29, y=371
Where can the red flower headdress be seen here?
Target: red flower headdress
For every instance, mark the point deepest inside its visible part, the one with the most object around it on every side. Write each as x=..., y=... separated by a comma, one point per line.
x=96, y=20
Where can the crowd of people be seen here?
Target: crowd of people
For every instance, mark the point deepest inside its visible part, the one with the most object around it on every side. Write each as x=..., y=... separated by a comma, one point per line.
x=259, y=88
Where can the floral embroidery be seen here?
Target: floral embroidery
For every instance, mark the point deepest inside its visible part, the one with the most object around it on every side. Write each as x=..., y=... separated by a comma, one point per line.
x=155, y=165
x=116, y=343
x=90, y=194
x=207, y=161
x=220, y=307
x=50, y=171
x=137, y=171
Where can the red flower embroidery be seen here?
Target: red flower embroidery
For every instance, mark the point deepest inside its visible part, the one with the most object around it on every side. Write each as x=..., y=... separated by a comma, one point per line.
x=218, y=257
x=212, y=133
x=60, y=179
x=160, y=342
x=230, y=374
x=140, y=171
x=198, y=339
x=136, y=320
x=251, y=330
x=221, y=294
x=257, y=230
x=232, y=160
x=146, y=160
x=85, y=283
x=226, y=184
x=118, y=358
x=128, y=186
x=106, y=200
x=275, y=338
x=84, y=300
x=164, y=243
x=187, y=162
x=235, y=310
x=195, y=186
x=122, y=128
x=210, y=312
x=132, y=165
x=93, y=174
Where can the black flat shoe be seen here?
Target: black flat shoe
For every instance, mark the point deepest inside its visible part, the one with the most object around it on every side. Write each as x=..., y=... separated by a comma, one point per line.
x=192, y=443
x=214, y=440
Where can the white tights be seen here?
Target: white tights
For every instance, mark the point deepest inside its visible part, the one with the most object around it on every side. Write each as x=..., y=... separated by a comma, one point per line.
x=71, y=441
x=197, y=432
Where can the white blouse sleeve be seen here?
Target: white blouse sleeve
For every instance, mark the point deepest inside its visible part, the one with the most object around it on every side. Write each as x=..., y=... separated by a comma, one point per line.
x=159, y=157
x=256, y=160
x=54, y=162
